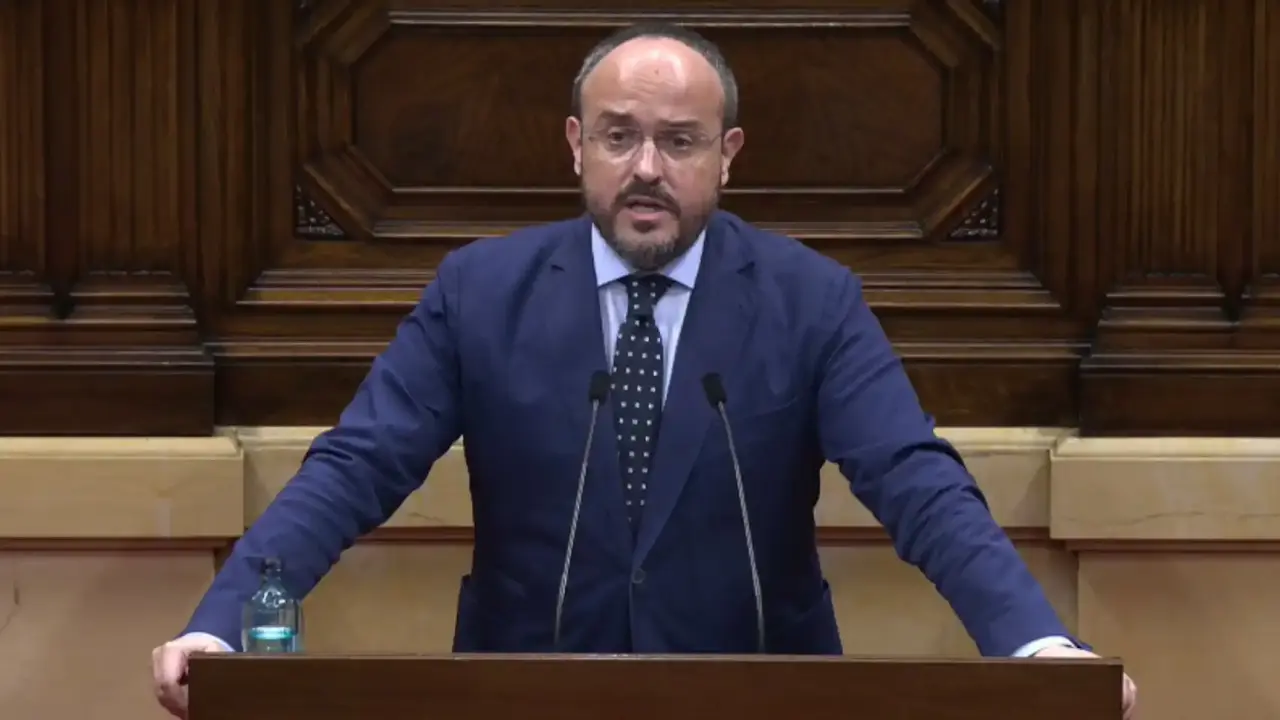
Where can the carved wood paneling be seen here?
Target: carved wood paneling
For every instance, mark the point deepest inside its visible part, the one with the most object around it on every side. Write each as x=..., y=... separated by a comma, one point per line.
x=102, y=145
x=24, y=292
x=1062, y=211
x=1260, y=311
x=1178, y=212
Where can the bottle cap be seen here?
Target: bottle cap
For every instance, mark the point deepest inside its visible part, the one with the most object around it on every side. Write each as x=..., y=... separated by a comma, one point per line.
x=272, y=564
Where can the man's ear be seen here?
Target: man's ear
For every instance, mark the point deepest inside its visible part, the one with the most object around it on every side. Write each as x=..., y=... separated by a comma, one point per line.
x=573, y=135
x=730, y=146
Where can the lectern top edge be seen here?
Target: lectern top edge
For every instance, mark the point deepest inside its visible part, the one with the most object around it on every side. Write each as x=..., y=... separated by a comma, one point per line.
x=792, y=660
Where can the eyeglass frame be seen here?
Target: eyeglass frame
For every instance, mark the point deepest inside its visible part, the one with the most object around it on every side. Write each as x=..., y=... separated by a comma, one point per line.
x=701, y=142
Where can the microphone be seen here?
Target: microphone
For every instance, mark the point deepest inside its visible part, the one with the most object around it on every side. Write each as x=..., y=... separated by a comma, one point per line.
x=596, y=394
x=714, y=389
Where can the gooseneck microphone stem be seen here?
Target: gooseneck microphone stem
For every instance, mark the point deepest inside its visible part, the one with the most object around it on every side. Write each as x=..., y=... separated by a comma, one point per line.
x=598, y=392
x=716, y=395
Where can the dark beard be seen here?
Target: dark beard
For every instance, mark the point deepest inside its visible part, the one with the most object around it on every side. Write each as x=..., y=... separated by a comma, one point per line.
x=650, y=257
x=646, y=258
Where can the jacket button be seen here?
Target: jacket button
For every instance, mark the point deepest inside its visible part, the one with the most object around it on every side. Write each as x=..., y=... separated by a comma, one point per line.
x=637, y=578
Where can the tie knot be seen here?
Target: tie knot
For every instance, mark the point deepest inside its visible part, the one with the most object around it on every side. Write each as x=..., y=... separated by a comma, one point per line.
x=644, y=291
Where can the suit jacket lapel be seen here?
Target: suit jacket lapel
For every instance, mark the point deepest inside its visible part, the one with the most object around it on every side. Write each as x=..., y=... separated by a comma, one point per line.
x=569, y=302
x=716, y=323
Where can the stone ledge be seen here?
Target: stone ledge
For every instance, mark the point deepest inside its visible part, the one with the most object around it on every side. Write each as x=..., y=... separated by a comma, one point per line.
x=112, y=488
x=1168, y=490
x=1134, y=492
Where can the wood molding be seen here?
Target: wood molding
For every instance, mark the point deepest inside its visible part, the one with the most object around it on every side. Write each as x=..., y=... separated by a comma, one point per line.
x=126, y=341
x=98, y=316
x=1168, y=359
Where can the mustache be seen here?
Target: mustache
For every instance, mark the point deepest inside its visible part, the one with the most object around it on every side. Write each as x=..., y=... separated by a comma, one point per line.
x=651, y=194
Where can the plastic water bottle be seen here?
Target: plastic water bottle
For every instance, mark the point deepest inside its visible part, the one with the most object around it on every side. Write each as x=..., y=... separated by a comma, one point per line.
x=272, y=621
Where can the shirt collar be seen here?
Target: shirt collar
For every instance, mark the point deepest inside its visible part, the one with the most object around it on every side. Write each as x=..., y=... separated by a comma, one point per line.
x=610, y=267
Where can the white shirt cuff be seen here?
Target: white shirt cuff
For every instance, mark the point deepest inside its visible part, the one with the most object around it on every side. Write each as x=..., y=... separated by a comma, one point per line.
x=1036, y=646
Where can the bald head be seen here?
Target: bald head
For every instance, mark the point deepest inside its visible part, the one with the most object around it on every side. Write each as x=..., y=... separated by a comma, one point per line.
x=659, y=53
x=654, y=71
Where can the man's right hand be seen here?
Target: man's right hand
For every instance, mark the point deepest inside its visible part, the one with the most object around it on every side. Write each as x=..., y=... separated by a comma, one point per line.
x=169, y=669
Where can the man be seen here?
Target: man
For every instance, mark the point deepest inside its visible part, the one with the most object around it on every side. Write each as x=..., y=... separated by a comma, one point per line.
x=658, y=287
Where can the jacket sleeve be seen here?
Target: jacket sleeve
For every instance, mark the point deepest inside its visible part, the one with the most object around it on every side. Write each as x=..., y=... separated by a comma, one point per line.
x=404, y=416
x=871, y=425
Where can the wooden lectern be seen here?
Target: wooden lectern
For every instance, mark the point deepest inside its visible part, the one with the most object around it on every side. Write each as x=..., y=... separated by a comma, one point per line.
x=633, y=687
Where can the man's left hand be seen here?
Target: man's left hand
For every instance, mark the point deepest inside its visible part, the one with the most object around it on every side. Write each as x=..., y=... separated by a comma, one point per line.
x=1130, y=690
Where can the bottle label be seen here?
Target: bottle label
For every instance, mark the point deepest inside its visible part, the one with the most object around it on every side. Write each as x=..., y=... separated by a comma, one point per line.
x=272, y=639
x=271, y=633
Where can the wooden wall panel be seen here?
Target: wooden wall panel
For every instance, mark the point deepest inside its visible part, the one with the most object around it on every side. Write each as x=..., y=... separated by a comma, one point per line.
x=99, y=221
x=215, y=212
x=1185, y=139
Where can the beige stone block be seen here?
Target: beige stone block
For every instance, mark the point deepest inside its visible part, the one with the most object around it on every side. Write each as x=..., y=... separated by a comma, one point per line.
x=273, y=456
x=388, y=598
x=77, y=629
x=886, y=608
x=1197, y=631
x=121, y=488
x=1166, y=489
x=1011, y=465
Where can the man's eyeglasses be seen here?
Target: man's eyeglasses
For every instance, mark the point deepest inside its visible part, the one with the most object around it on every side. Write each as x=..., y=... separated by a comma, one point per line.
x=673, y=145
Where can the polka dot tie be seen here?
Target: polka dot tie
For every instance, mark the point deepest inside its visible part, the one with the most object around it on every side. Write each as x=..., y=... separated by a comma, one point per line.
x=637, y=389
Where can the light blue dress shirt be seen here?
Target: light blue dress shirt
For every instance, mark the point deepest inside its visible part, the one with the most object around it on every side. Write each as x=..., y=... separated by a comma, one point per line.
x=668, y=315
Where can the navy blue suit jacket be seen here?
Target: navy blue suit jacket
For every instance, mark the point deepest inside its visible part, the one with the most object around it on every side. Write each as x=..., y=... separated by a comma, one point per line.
x=500, y=350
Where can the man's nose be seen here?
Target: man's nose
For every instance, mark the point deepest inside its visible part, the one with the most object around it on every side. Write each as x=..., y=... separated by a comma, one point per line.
x=648, y=164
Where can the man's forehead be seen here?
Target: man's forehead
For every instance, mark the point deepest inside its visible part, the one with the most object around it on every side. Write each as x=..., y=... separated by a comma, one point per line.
x=642, y=61
x=655, y=64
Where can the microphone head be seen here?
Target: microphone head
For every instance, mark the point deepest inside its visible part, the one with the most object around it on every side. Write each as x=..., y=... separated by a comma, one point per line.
x=713, y=386
x=599, y=389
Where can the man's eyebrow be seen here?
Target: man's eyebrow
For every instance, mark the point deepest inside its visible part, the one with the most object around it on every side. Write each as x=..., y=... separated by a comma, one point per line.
x=614, y=116
x=684, y=125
